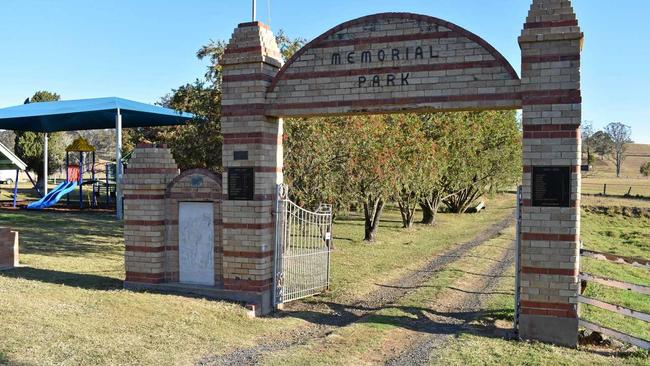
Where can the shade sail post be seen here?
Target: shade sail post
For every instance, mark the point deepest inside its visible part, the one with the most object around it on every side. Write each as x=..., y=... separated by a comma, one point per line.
x=16, y=187
x=118, y=163
x=45, y=156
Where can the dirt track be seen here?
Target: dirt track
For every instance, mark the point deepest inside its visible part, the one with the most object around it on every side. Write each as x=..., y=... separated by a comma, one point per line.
x=324, y=317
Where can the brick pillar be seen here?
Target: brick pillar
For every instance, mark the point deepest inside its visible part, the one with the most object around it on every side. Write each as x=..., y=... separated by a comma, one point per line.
x=150, y=170
x=550, y=43
x=254, y=141
x=8, y=248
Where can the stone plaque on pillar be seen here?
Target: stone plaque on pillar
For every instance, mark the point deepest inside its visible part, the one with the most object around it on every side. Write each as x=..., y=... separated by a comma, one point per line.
x=241, y=184
x=551, y=186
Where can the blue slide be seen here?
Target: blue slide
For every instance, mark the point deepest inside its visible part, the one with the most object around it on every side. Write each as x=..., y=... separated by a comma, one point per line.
x=53, y=197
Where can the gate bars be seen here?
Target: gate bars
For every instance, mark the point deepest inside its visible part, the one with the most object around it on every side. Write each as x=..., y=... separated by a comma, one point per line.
x=302, y=249
x=518, y=259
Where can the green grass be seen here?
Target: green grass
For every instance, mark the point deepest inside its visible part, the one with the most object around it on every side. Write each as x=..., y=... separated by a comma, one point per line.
x=621, y=272
x=67, y=306
x=625, y=236
x=357, y=263
x=469, y=349
x=617, y=234
x=372, y=339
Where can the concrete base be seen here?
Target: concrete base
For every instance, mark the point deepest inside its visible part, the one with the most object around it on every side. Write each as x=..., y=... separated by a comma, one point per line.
x=261, y=300
x=559, y=331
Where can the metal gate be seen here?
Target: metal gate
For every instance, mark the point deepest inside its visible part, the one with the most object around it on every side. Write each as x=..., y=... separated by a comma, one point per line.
x=302, y=249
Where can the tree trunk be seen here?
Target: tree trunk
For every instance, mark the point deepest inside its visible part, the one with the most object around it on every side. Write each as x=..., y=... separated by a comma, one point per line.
x=430, y=207
x=40, y=181
x=407, y=203
x=372, y=209
x=428, y=216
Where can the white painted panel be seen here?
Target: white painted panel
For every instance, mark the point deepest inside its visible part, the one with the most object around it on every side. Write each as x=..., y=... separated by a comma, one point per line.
x=196, y=242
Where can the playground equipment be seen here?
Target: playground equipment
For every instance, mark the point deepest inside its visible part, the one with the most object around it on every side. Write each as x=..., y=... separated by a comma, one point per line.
x=75, y=172
x=74, y=178
x=89, y=114
x=53, y=196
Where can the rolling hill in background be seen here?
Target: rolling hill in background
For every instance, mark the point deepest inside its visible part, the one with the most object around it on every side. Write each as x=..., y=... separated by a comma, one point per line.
x=603, y=172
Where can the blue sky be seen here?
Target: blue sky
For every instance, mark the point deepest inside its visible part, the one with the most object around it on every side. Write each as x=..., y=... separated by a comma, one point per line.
x=141, y=49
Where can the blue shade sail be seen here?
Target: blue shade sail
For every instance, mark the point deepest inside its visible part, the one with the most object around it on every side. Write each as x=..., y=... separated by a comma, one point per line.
x=87, y=114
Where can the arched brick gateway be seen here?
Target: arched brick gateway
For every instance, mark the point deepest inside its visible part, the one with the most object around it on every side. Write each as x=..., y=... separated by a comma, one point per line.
x=393, y=62
x=398, y=62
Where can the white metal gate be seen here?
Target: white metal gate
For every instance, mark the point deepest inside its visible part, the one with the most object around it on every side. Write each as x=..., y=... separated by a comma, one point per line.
x=302, y=249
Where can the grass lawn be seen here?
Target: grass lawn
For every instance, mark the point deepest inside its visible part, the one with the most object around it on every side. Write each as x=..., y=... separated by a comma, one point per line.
x=625, y=236
x=469, y=349
x=617, y=234
x=67, y=306
x=376, y=337
x=372, y=339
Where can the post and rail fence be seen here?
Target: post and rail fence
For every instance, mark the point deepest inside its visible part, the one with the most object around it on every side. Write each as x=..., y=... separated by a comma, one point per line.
x=586, y=278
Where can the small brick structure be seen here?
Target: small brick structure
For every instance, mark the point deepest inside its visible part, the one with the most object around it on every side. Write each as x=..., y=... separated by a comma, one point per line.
x=154, y=191
x=382, y=63
x=8, y=248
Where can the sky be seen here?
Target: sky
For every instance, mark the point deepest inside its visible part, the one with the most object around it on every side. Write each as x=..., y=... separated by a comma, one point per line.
x=142, y=49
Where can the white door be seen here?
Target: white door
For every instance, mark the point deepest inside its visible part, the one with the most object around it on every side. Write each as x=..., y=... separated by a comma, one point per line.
x=196, y=242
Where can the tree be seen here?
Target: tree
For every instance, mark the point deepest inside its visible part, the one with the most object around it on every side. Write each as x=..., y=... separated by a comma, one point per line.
x=620, y=135
x=367, y=169
x=413, y=164
x=29, y=145
x=288, y=47
x=602, y=143
x=645, y=169
x=198, y=144
x=8, y=138
x=587, y=134
x=314, y=161
x=483, y=153
x=103, y=141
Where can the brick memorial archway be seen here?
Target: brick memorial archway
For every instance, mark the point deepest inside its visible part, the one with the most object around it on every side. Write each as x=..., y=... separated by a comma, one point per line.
x=397, y=62
x=384, y=63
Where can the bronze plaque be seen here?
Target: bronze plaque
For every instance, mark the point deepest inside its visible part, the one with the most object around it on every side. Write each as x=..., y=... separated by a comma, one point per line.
x=241, y=184
x=551, y=186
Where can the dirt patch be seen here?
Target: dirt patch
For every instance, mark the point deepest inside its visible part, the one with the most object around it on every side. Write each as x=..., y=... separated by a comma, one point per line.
x=634, y=212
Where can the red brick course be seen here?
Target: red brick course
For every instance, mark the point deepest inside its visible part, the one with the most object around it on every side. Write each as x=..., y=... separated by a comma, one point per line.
x=550, y=271
x=549, y=237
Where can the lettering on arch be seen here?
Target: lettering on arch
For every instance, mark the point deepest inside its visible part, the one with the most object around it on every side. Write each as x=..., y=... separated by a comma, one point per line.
x=393, y=62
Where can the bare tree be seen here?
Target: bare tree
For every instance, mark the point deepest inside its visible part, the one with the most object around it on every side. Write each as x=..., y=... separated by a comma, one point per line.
x=620, y=135
x=587, y=134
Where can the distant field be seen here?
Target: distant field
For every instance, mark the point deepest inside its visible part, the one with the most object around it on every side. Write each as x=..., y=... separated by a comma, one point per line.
x=604, y=172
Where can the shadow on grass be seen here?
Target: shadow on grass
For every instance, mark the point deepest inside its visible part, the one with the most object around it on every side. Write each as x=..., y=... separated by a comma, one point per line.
x=464, y=272
x=417, y=319
x=79, y=280
x=65, y=233
x=6, y=361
